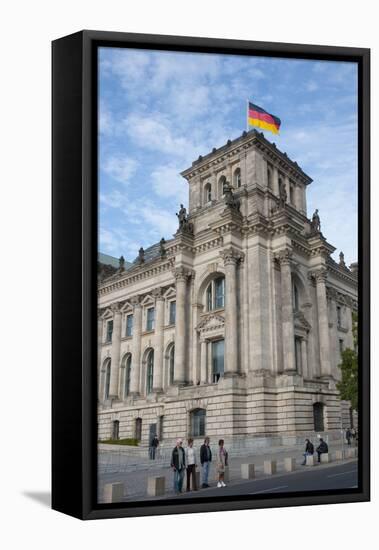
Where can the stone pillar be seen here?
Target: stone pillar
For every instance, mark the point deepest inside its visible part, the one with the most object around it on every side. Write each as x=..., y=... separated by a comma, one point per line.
x=203, y=362
x=304, y=358
x=275, y=181
x=323, y=322
x=287, y=184
x=158, y=351
x=181, y=276
x=289, y=364
x=116, y=349
x=231, y=257
x=298, y=198
x=100, y=323
x=136, y=347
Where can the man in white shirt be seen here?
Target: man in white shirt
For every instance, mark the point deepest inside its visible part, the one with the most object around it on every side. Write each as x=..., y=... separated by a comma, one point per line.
x=191, y=465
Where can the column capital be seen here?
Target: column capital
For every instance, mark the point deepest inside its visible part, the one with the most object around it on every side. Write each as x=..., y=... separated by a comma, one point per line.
x=284, y=257
x=231, y=256
x=182, y=273
x=135, y=301
x=115, y=308
x=157, y=293
x=320, y=275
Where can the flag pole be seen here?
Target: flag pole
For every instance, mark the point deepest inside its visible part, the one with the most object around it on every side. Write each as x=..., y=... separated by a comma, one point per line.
x=247, y=115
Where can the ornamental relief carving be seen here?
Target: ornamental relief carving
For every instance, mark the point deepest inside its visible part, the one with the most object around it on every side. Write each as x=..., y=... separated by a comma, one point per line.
x=211, y=322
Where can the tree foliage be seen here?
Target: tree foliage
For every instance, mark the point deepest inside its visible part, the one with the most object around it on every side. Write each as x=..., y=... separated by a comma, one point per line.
x=348, y=387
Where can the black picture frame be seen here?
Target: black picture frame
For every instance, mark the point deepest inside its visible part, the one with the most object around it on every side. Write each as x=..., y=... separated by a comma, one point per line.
x=74, y=333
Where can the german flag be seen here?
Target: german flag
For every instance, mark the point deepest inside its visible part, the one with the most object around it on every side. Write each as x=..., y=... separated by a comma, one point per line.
x=256, y=116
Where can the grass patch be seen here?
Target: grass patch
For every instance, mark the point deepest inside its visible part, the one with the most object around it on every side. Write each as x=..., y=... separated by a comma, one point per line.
x=130, y=441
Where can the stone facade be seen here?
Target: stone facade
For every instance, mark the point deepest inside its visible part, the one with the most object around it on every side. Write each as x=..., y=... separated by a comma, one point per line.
x=251, y=348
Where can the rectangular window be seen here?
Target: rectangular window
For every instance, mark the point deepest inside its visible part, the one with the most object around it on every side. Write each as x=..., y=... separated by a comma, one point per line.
x=217, y=360
x=219, y=292
x=198, y=423
x=172, y=316
x=339, y=316
x=109, y=332
x=340, y=341
x=150, y=318
x=129, y=325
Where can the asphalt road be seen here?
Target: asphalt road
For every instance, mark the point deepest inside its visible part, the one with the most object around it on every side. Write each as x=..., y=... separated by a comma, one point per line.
x=316, y=478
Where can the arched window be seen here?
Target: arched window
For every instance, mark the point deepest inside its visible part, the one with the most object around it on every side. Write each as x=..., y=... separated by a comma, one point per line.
x=127, y=360
x=149, y=372
x=207, y=193
x=107, y=379
x=237, y=178
x=197, y=420
x=318, y=417
x=215, y=294
x=171, y=363
x=221, y=186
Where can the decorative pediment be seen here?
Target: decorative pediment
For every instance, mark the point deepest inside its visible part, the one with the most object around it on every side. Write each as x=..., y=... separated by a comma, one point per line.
x=127, y=308
x=211, y=322
x=170, y=293
x=107, y=314
x=148, y=301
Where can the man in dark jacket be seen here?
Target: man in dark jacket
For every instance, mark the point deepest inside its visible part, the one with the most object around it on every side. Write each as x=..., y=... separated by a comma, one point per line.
x=205, y=460
x=178, y=464
x=309, y=450
x=322, y=448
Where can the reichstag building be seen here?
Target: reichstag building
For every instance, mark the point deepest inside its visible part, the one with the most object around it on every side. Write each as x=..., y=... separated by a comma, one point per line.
x=235, y=326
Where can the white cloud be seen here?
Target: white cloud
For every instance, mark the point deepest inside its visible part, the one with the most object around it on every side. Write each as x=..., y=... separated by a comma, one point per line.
x=167, y=182
x=120, y=168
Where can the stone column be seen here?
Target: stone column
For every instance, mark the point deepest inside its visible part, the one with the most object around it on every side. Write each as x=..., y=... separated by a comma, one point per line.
x=275, y=181
x=298, y=198
x=231, y=257
x=158, y=351
x=287, y=184
x=304, y=358
x=323, y=323
x=136, y=347
x=289, y=365
x=100, y=323
x=181, y=276
x=116, y=343
x=203, y=362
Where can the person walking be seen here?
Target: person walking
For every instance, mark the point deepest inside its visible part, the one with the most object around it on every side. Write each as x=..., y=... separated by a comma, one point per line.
x=222, y=463
x=190, y=453
x=322, y=448
x=178, y=464
x=309, y=450
x=348, y=436
x=154, y=447
x=205, y=461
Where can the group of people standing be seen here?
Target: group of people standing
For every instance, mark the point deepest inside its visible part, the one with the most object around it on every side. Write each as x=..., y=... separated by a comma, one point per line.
x=185, y=460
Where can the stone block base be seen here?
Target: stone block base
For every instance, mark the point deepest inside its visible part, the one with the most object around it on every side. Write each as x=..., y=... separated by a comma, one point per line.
x=269, y=467
x=340, y=455
x=351, y=453
x=156, y=486
x=289, y=464
x=113, y=492
x=247, y=471
x=325, y=457
x=310, y=460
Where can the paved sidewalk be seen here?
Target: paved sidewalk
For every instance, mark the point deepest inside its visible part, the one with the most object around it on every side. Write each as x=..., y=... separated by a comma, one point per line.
x=135, y=479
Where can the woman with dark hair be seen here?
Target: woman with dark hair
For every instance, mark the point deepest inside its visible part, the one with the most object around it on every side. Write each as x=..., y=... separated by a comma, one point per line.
x=222, y=462
x=309, y=450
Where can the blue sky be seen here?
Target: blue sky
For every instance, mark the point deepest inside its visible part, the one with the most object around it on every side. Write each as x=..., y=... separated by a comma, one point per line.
x=158, y=111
